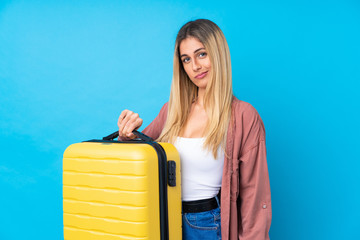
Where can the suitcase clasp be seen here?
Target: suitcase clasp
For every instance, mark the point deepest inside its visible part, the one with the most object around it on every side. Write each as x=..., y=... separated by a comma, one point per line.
x=171, y=165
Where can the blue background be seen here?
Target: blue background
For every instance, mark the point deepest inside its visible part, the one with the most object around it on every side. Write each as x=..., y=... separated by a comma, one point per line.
x=68, y=68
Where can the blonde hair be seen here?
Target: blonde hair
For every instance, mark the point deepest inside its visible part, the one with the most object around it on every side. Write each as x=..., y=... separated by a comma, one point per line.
x=218, y=93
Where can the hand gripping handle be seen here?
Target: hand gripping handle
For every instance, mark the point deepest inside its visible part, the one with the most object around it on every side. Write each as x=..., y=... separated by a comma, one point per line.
x=135, y=132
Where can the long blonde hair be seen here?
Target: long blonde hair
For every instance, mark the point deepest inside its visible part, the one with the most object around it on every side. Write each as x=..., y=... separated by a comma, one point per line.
x=218, y=93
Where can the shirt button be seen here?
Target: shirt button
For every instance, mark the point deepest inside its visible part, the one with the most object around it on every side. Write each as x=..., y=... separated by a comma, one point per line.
x=264, y=206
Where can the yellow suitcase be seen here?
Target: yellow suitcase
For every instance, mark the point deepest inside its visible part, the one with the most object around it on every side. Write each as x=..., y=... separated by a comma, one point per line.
x=121, y=190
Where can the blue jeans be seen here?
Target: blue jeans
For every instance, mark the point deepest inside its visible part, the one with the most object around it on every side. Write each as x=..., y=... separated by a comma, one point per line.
x=202, y=225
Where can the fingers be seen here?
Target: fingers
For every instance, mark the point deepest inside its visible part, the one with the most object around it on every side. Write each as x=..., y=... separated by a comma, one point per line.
x=122, y=122
x=123, y=119
x=127, y=122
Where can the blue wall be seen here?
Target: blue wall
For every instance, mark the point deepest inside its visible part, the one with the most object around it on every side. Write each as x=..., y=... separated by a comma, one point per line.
x=68, y=68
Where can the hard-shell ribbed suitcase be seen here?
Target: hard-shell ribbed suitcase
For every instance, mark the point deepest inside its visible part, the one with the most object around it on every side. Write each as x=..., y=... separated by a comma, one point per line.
x=121, y=190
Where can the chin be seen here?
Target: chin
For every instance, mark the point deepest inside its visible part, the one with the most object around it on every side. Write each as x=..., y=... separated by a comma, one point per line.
x=201, y=85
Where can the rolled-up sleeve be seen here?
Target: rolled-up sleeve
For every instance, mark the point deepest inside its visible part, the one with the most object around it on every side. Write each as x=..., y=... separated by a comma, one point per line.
x=255, y=196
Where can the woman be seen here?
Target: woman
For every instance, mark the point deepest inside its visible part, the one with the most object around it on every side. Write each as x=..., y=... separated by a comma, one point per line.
x=221, y=141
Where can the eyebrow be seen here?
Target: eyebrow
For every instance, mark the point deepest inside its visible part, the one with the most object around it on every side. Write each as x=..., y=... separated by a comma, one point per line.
x=183, y=55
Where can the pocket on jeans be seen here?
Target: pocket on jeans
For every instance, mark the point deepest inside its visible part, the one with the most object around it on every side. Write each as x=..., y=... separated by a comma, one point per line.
x=209, y=220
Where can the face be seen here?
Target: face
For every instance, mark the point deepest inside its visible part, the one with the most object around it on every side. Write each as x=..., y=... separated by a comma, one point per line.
x=196, y=61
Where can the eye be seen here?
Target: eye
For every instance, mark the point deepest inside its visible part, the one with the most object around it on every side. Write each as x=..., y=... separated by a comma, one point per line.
x=202, y=54
x=186, y=60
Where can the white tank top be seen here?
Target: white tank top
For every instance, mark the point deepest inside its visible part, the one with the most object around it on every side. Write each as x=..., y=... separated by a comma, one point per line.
x=201, y=174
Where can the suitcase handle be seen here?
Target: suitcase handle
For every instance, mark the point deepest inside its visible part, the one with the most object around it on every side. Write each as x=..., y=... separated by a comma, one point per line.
x=135, y=132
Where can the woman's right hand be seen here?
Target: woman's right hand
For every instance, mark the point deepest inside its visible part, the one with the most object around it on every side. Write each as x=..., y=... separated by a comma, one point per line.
x=128, y=121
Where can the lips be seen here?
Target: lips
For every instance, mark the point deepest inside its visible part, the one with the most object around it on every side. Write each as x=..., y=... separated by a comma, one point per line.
x=201, y=75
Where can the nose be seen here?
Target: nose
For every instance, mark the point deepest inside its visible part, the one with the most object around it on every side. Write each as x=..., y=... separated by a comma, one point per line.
x=196, y=66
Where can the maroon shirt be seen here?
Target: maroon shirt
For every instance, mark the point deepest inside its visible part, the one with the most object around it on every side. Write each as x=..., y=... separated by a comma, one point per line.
x=245, y=188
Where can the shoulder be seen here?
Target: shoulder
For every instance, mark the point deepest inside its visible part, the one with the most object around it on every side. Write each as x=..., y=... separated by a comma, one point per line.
x=164, y=110
x=163, y=113
x=244, y=109
x=165, y=107
x=247, y=120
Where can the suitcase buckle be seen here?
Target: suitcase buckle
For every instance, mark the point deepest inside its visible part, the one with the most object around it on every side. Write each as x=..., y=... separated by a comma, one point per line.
x=171, y=165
